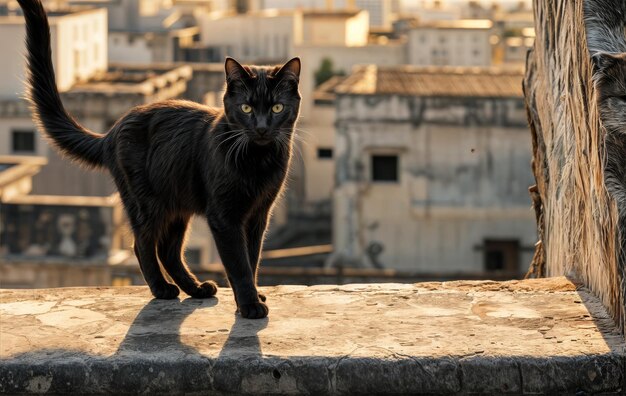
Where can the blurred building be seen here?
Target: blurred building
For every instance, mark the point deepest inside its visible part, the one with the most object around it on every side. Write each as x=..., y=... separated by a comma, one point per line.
x=145, y=31
x=318, y=151
x=267, y=36
x=432, y=171
x=80, y=53
x=432, y=10
x=451, y=43
x=52, y=241
x=516, y=33
x=97, y=94
x=515, y=47
x=379, y=12
x=349, y=45
x=79, y=45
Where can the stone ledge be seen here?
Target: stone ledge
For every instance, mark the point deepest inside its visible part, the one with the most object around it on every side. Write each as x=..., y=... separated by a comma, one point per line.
x=534, y=336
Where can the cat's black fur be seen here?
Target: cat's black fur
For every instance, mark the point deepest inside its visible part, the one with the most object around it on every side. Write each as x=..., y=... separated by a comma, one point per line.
x=174, y=159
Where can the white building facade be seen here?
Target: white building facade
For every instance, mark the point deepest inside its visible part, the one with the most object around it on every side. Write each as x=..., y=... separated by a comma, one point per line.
x=79, y=48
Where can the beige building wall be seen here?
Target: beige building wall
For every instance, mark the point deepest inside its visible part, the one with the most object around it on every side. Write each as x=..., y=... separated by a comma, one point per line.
x=319, y=173
x=457, y=43
x=340, y=28
x=317, y=122
x=462, y=182
x=125, y=47
x=436, y=225
x=265, y=35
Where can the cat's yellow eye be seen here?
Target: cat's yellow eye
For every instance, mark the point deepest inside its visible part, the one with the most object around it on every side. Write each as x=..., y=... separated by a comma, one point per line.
x=277, y=108
x=246, y=108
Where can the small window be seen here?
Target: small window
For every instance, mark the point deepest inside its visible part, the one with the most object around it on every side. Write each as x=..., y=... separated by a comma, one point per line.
x=502, y=255
x=494, y=260
x=385, y=168
x=193, y=257
x=324, y=153
x=23, y=141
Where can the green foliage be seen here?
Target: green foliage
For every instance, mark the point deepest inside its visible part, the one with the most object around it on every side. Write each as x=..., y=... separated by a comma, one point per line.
x=326, y=72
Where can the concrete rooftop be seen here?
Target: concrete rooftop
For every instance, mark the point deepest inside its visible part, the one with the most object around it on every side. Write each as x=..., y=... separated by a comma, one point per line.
x=535, y=336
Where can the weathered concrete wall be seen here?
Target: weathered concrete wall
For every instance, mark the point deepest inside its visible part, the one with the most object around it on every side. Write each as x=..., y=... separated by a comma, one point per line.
x=463, y=179
x=531, y=337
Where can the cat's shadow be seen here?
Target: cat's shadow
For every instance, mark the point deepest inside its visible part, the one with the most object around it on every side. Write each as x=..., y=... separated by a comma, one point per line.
x=157, y=328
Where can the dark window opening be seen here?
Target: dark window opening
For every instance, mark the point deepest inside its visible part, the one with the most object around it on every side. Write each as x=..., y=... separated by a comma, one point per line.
x=23, y=141
x=502, y=255
x=324, y=153
x=494, y=261
x=385, y=168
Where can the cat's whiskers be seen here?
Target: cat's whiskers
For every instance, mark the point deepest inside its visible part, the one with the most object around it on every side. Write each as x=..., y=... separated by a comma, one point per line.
x=232, y=148
x=242, y=147
x=235, y=148
x=286, y=143
x=302, y=131
x=235, y=134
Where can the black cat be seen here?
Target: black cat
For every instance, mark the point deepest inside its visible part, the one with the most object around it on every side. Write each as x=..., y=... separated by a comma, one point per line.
x=174, y=159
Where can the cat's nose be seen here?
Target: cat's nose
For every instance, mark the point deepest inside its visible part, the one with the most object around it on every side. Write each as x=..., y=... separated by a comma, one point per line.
x=261, y=131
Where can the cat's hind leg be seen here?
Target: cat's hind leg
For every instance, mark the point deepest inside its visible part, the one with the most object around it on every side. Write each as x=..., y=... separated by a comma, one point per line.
x=170, y=251
x=145, y=245
x=145, y=215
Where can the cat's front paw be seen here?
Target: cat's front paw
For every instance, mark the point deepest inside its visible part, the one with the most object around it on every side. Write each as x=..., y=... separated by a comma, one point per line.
x=255, y=310
x=166, y=291
x=204, y=290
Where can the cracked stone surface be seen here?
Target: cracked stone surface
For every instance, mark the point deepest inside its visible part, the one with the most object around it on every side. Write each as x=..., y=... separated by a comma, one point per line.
x=544, y=336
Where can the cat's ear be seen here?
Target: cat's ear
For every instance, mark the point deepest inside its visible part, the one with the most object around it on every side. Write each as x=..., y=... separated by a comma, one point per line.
x=604, y=60
x=290, y=69
x=234, y=70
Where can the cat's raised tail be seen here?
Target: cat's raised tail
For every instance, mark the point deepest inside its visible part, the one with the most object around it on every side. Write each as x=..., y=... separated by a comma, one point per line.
x=66, y=134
